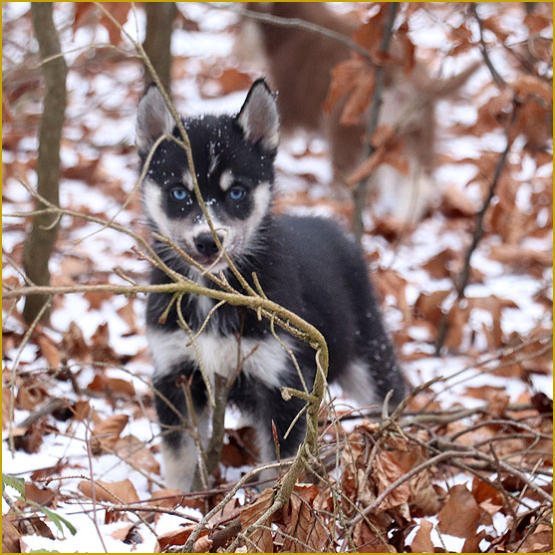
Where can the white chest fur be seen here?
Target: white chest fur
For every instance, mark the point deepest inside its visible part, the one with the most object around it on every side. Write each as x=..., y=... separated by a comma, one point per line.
x=264, y=359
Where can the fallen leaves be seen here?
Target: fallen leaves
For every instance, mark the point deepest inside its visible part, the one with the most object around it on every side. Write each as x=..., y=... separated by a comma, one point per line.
x=310, y=533
x=460, y=513
x=261, y=538
x=106, y=433
x=110, y=492
x=422, y=542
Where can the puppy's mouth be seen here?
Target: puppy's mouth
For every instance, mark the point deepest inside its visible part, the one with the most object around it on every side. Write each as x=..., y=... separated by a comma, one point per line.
x=213, y=264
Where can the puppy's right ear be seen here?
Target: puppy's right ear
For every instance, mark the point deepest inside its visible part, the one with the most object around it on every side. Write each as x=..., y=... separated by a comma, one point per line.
x=153, y=120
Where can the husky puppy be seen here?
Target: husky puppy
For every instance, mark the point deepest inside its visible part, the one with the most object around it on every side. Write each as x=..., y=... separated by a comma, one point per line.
x=305, y=264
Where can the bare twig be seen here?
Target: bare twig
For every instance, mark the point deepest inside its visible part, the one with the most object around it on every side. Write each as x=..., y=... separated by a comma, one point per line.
x=477, y=234
x=13, y=373
x=93, y=490
x=359, y=194
x=499, y=81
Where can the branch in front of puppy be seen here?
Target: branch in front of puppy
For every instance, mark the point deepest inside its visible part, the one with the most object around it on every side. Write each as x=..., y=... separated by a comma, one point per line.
x=289, y=321
x=264, y=307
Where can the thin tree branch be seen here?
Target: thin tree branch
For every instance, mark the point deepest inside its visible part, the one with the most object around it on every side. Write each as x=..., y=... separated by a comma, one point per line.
x=498, y=80
x=359, y=193
x=477, y=234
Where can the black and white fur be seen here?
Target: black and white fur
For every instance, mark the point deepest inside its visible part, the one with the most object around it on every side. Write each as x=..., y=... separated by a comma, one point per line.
x=305, y=264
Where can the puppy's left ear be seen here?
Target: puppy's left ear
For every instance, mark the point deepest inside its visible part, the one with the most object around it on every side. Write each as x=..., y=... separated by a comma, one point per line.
x=259, y=118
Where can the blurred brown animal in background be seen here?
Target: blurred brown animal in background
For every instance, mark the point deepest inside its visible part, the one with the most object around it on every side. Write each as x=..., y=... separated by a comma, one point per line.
x=299, y=64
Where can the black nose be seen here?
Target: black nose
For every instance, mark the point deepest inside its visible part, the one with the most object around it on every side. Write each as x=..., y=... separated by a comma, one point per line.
x=205, y=244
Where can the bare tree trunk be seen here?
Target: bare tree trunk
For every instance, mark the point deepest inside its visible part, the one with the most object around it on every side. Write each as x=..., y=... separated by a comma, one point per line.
x=157, y=44
x=40, y=241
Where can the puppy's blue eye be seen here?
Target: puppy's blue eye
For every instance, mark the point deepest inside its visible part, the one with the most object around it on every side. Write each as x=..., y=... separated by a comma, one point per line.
x=237, y=193
x=179, y=193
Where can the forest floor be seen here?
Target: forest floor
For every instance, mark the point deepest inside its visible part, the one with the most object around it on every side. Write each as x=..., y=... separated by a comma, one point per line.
x=81, y=452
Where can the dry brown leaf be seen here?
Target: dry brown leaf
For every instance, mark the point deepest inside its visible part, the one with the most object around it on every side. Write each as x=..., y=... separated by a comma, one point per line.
x=369, y=35
x=424, y=498
x=262, y=539
x=74, y=266
x=82, y=170
x=232, y=80
x=113, y=386
x=41, y=473
x=390, y=282
x=365, y=168
x=494, y=25
x=522, y=259
x=119, y=11
x=175, y=537
x=81, y=410
x=301, y=522
x=10, y=534
x=96, y=298
x=472, y=545
x=406, y=47
x=74, y=344
x=10, y=282
x=455, y=204
x=422, y=542
x=482, y=491
x=531, y=84
x=42, y=496
x=101, y=350
x=29, y=395
x=132, y=449
x=438, y=265
x=385, y=471
x=460, y=515
x=127, y=314
x=428, y=306
x=31, y=439
x=344, y=78
x=538, y=542
x=536, y=22
x=122, y=533
x=389, y=227
x=106, y=433
x=202, y=545
x=111, y=492
x=367, y=541
x=49, y=351
x=358, y=100
x=457, y=319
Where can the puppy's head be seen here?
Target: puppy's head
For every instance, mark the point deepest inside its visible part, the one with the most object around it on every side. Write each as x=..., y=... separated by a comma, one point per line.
x=233, y=158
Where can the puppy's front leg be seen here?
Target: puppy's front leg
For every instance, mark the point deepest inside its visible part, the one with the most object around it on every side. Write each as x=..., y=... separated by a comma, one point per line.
x=181, y=455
